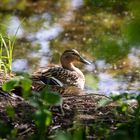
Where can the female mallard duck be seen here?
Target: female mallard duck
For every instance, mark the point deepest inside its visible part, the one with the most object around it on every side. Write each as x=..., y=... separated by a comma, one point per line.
x=61, y=77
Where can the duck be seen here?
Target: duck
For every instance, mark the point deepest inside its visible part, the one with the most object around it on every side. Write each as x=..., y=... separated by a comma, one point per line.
x=64, y=78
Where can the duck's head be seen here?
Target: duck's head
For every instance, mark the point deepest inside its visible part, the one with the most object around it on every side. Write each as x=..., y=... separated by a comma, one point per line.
x=71, y=56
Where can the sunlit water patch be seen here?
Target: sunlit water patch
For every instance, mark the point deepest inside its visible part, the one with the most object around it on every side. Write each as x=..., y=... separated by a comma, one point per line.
x=15, y=27
x=20, y=65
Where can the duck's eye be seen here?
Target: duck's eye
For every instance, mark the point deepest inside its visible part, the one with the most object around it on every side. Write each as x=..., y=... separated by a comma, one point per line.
x=73, y=53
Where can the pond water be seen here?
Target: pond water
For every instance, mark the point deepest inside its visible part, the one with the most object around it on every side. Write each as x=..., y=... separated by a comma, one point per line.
x=97, y=30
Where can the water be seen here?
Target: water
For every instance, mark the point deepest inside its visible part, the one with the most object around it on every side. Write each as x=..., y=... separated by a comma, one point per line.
x=48, y=28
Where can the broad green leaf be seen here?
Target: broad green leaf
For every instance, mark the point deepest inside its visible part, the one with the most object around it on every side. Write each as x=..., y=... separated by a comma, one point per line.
x=9, y=85
x=104, y=102
x=26, y=86
x=51, y=97
x=48, y=118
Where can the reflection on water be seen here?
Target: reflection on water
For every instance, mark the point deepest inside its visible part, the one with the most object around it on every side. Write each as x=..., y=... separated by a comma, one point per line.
x=107, y=83
x=20, y=65
x=49, y=34
x=134, y=57
x=76, y=3
x=43, y=36
x=13, y=26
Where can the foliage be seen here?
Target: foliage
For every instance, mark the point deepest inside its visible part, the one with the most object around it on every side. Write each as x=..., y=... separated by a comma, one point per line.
x=41, y=101
x=130, y=28
x=5, y=60
x=6, y=52
x=43, y=117
x=19, y=81
x=109, y=5
x=131, y=127
x=132, y=32
x=111, y=49
x=128, y=129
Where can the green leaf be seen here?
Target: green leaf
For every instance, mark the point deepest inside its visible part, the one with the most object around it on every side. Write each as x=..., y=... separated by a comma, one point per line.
x=52, y=98
x=104, y=102
x=26, y=86
x=60, y=135
x=48, y=118
x=124, y=107
x=9, y=85
x=43, y=118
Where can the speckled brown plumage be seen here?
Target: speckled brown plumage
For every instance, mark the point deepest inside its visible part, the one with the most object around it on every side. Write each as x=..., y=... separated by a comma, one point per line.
x=61, y=77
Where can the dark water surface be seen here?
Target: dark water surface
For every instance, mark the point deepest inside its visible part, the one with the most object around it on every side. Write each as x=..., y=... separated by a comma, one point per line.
x=96, y=30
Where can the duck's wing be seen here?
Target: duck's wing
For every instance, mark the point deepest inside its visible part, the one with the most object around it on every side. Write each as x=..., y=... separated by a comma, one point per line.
x=61, y=76
x=56, y=79
x=46, y=76
x=56, y=76
x=37, y=74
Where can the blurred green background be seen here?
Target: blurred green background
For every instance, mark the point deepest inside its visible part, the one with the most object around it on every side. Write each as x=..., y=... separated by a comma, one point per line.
x=104, y=31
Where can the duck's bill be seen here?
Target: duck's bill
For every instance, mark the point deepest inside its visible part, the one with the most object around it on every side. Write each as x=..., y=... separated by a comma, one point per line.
x=83, y=60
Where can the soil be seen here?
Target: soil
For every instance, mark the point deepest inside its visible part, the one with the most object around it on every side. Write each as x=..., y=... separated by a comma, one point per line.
x=82, y=110
x=76, y=110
